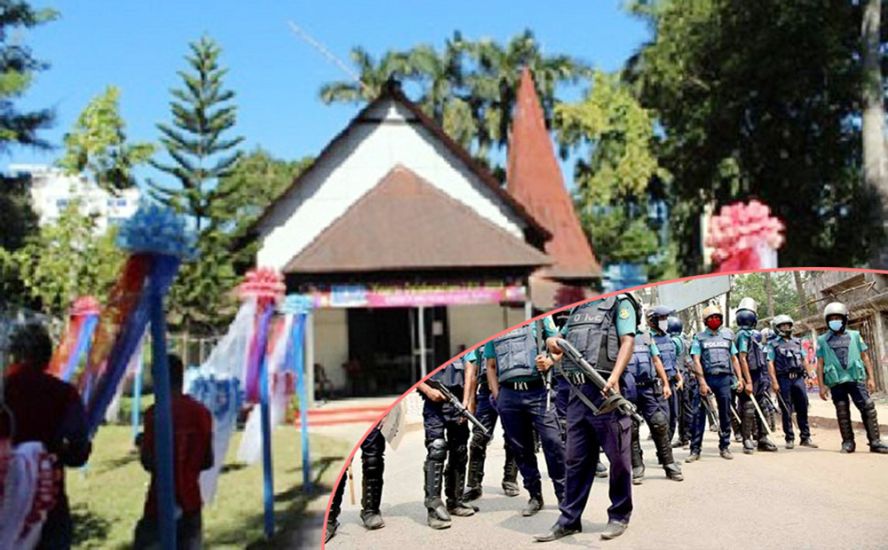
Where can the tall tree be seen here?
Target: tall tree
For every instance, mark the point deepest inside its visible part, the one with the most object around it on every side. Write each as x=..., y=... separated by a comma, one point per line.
x=875, y=149
x=18, y=67
x=67, y=259
x=739, y=121
x=19, y=223
x=97, y=145
x=201, y=152
x=255, y=182
x=468, y=87
x=613, y=183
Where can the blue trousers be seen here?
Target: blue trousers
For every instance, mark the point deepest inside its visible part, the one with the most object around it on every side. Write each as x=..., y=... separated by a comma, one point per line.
x=853, y=390
x=794, y=394
x=522, y=412
x=720, y=385
x=586, y=432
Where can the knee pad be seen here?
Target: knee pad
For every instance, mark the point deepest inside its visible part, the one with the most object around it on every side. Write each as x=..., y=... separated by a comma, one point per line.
x=372, y=460
x=479, y=441
x=437, y=450
x=659, y=421
x=868, y=405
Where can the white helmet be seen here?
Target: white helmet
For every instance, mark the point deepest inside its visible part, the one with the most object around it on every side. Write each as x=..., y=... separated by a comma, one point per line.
x=835, y=308
x=747, y=303
x=783, y=320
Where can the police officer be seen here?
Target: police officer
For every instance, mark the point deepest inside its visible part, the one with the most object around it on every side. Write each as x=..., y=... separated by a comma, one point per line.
x=717, y=370
x=649, y=376
x=446, y=438
x=689, y=389
x=604, y=332
x=847, y=372
x=670, y=354
x=789, y=368
x=372, y=468
x=520, y=396
x=753, y=365
x=487, y=415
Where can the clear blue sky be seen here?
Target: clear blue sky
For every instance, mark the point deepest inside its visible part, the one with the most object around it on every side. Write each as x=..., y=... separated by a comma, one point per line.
x=139, y=45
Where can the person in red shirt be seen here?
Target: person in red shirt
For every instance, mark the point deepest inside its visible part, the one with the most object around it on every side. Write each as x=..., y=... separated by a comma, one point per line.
x=47, y=410
x=192, y=453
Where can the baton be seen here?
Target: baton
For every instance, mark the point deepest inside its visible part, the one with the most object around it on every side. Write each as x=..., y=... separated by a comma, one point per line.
x=761, y=414
x=788, y=411
x=351, y=484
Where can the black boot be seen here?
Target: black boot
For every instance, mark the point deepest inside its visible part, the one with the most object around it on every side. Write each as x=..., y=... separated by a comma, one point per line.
x=475, y=475
x=843, y=417
x=438, y=517
x=746, y=426
x=737, y=429
x=557, y=532
x=510, y=475
x=373, y=466
x=454, y=482
x=871, y=423
x=600, y=469
x=660, y=429
x=330, y=530
x=637, y=456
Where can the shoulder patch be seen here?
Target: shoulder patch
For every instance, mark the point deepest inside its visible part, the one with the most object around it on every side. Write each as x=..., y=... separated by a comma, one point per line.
x=624, y=313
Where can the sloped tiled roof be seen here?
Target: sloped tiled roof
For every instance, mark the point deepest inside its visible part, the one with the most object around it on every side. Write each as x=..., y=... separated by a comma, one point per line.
x=406, y=223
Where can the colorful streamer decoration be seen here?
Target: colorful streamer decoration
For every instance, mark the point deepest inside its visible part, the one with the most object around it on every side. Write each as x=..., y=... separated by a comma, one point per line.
x=158, y=242
x=298, y=307
x=76, y=343
x=28, y=491
x=267, y=287
x=744, y=236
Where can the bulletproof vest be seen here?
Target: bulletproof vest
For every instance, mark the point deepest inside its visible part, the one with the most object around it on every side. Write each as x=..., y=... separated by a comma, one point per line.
x=788, y=355
x=592, y=330
x=755, y=355
x=516, y=354
x=715, y=351
x=841, y=345
x=453, y=374
x=668, y=353
x=641, y=366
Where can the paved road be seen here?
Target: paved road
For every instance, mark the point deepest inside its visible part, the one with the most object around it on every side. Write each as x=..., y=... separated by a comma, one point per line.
x=801, y=498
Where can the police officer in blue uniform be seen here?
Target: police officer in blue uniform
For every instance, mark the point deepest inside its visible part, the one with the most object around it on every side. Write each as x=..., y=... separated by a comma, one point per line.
x=670, y=355
x=604, y=332
x=649, y=377
x=689, y=389
x=717, y=371
x=487, y=415
x=372, y=469
x=845, y=371
x=446, y=439
x=789, y=368
x=754, y=366
x=520, y=396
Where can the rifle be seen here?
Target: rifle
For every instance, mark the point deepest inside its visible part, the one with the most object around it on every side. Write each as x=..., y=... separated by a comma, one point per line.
x=613, y=400
x=457, y=404
x=708, y=402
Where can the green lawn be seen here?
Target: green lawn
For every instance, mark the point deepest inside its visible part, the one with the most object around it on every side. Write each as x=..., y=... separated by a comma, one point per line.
x=107, y=498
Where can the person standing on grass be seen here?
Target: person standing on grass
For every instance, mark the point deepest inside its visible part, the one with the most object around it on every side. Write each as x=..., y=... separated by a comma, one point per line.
x=192, y=453
x=47, y=410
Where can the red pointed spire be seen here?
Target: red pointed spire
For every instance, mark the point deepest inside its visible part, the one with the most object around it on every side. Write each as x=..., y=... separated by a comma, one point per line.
x=534, y=178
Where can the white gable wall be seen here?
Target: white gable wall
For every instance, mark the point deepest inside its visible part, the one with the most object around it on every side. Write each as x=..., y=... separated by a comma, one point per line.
x=355, y=166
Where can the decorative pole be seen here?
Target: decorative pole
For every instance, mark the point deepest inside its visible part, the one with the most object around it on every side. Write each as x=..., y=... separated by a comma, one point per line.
x=298, y=306
x=267, y=286
x=158, y=242
x=745, y=236
x=75, y=345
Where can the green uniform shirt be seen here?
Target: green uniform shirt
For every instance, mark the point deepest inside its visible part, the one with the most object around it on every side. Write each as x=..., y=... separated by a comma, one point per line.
x=833, y=372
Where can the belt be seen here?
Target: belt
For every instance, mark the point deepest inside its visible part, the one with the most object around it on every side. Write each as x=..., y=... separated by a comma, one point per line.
x=792, y=375
x=524, y=386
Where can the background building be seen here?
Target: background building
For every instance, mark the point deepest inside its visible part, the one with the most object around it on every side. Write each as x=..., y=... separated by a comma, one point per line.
x=52, y=190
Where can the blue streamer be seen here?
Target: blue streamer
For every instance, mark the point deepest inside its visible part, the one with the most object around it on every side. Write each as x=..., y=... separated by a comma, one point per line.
x=162, y=272
x=81, y=350
x=296, y=361
x=265, y=418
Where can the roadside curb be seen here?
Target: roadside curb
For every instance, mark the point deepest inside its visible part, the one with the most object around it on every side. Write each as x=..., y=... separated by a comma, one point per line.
x=832, y=424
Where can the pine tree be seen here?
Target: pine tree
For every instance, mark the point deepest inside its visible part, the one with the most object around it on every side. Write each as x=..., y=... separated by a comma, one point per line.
x=202, y=112
x=201, y=154
x=17, y=69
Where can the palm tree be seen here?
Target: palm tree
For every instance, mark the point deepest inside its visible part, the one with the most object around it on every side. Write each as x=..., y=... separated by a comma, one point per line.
x=373, y=76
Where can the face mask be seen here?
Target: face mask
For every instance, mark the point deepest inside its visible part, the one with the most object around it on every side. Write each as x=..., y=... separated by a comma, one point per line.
x=835, y=325
x=714, y=322
x=663, y=324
